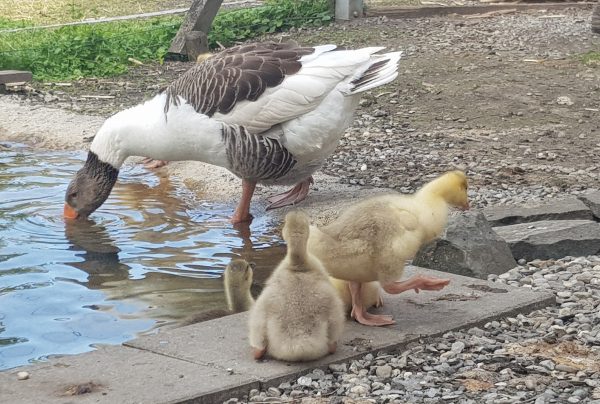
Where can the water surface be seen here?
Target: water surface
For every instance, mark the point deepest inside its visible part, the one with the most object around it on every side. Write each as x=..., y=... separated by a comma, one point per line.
x=150, y=256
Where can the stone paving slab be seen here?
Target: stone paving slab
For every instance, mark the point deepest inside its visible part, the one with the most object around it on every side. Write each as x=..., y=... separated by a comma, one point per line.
x=552, y=238
x=120, y=375
x=209, y=362
x=592, y=201
x=465, y=302
x=557, y=209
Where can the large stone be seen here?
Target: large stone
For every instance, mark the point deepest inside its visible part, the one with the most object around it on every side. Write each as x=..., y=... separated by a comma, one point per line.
x=592, y=200
x=552, y=238
x=468, y=247
x=559, y=209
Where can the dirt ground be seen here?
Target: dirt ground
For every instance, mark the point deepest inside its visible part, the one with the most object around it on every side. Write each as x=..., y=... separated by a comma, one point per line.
x=507, y=97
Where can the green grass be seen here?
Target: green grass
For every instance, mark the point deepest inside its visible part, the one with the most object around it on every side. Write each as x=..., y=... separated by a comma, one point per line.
x=101, y=50
x=591, y=59
x=5, y=23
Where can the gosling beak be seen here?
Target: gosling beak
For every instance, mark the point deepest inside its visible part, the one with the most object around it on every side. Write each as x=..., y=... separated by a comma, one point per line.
x=70, y=213
x=465, y=206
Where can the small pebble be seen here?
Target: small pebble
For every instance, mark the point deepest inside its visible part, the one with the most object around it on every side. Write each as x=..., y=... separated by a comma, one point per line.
x=23, y=375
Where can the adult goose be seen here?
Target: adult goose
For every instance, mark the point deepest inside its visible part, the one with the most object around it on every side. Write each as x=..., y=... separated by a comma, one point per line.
x=268, y=112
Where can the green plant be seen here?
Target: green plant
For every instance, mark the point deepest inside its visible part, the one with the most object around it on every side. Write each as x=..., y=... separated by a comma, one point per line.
x=277, y=15
x=8, y=24
x=591, y=58
x=86, y=50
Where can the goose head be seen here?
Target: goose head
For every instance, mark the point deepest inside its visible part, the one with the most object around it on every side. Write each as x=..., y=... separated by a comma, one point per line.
x=451, y=187
x=90, y=187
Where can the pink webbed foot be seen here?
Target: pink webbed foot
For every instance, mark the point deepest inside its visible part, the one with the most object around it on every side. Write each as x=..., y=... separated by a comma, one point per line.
x=366, y=318
x=417, y=283
x=291, y=197
x=151, y=163
x=360, y=314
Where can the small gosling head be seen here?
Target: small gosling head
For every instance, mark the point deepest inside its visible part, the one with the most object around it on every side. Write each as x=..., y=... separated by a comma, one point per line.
x=453, y=189
x=239, y=272
x=296, y=226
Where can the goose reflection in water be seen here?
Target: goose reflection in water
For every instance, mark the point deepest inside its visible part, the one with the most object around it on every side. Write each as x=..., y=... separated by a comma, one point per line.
x=165, y=259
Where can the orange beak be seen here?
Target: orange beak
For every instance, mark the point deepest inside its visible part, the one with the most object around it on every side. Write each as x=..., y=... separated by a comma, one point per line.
x=70, y=213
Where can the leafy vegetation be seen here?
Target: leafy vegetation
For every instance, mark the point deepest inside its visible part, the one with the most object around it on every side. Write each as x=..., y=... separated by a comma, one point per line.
x=86, y=50
x=276, y=15
x=591, y=59
x=106, y=49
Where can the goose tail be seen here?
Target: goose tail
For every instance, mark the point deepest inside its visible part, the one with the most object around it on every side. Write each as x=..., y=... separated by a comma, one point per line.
x=379, y=70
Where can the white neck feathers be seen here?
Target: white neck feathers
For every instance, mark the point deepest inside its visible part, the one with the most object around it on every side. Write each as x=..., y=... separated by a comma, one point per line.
x=145, y=130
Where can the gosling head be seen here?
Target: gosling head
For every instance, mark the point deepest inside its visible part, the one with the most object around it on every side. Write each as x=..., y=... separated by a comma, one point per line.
x=239, y=272
x=452, y=186
x=296, y=226
x=90, y=187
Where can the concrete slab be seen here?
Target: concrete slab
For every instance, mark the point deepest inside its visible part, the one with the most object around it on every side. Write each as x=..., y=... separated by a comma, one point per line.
x=552, y=238
x=210, y=362
x=592, y=198
x=559, y=209
x=119, y=374
x=466, y=302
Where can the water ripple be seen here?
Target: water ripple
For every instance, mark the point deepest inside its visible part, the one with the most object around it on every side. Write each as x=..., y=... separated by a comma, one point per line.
x=150, y=255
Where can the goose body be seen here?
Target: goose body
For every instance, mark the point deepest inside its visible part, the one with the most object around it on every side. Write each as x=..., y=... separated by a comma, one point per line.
x=269, y=113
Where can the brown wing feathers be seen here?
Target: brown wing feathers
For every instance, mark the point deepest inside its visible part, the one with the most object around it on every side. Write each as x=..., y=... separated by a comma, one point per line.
x=240, y=73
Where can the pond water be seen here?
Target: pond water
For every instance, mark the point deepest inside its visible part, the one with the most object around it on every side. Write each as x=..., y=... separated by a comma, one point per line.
x=151, y=256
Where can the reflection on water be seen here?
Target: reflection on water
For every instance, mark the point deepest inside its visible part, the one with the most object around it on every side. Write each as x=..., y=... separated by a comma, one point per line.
x=150, y=256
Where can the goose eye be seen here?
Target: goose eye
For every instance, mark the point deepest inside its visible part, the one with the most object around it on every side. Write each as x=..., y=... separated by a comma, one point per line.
x=73, y=195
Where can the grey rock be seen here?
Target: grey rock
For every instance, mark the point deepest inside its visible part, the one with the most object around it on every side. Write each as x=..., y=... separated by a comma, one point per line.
x=273, y=392
x=458, y=347
x=552, y=238
x=338, y=367
x=384, y=371
x=559, y=209
x=304, y=381
x=359, y=390
x=592, y=201
x=467, y=247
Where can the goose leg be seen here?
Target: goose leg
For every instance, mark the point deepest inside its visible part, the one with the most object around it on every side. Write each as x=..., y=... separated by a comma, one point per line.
x=291, y=197
x=258, y=353
x=417, y=282
x=242, y=212
x=151, y=163
x=360, y=314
